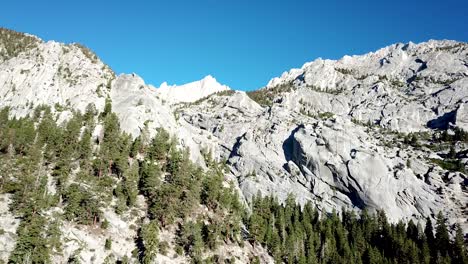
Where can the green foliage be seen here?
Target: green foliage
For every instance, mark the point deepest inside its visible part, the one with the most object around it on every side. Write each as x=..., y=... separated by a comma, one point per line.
x=459, y=250
x=54, y=235
x=105, y=224
x=87, y=52
x=450, y=47
x=107, y=108
x=149, y=237
x=108, y=244
x=130, y=184
x=266, y=96
x=225, y=93
x=295, y=235
x=191, y=239
x=164, y=248
x=81, y=205
x=13, y=43
x=457, y=135
x=325, y=115
x=411, y=139
x=31, y=246
x=442, y=240
x=160, y=146
x=450, y=164
x=18, y=134
x=221, y=93
x=344, y=71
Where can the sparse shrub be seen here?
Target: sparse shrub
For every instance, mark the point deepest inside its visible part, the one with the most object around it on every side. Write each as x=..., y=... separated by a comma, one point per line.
x=326, y=115
x=108, y=244
x=105, y=224
x=163, y=248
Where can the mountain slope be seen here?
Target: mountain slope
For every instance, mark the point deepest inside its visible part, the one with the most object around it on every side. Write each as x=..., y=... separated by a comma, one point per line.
x=385, y=130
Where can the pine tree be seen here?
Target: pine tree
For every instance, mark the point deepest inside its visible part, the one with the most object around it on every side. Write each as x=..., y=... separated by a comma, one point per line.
x=425, y=255
x=136, y=147
x=32, y=244
x=459, y=254
x=150, y=236
x=442, y=240
x=54, y=236
x=429, y=233
x=412, y=231
x=311, y=253
x=130, y=184
x=191, y=239
x=160, y=145
x=149, y=178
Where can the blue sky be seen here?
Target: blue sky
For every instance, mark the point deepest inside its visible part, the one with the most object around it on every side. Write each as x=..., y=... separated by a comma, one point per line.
x=241, y=43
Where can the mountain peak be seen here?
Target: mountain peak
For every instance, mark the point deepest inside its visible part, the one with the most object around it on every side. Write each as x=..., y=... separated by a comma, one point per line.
x=209, y=77
x=190, y=92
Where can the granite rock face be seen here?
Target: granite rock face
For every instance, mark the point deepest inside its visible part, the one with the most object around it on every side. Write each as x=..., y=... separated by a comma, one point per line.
x=332, y=133
x=333, y=162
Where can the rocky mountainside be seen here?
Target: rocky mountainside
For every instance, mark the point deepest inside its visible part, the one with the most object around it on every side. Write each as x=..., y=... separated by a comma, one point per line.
x=333, y=132
x=385, y=130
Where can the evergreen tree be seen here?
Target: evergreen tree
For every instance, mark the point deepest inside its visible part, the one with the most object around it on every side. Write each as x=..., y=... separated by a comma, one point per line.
x=32, y=244
x=160, y=146
x=429, y=233
x=458, y=252
x=442, y=240
x=191, y=239
x=149, y=178
x=130, y=184
x=150, y=237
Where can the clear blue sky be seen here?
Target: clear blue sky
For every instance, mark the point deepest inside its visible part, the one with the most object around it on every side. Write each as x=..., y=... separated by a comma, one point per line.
x=241, y=43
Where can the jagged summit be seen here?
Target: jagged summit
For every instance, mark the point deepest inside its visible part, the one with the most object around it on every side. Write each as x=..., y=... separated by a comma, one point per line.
x=401, y=61
x=190, y=92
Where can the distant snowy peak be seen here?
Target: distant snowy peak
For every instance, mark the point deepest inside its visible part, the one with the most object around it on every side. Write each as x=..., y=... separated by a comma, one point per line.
x=190, y=92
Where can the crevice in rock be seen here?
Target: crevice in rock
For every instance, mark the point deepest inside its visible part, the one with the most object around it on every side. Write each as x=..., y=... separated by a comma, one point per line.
x=236, y=146
x=301, y=77
x=423, y=65
x=434, y=94
x=383, y=61
x=411, y=79
x=352, y=193
x=426, y=175
x=288, y=144
x=443, y=121
x=351, y=176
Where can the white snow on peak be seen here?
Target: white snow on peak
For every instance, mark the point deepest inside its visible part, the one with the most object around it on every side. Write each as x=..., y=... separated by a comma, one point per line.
x=190, y=92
